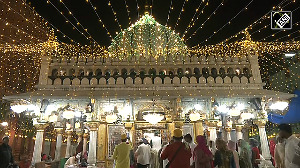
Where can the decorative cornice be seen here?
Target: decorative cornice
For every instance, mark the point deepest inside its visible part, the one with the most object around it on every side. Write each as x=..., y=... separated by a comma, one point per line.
x=92, y=125
x=85, y=135
x=41, y=126
x=260, y=122
x=239, y=127
x=228, y=129
x=211, y=122
x=59, y=130
x=69, y=133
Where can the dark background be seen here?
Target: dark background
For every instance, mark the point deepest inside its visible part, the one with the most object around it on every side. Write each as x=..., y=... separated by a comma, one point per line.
x=85, y=14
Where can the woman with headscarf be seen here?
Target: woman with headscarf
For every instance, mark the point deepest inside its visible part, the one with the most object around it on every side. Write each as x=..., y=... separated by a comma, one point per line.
x=255, y=152
x=223, y=157
x=202, y=155
x=272, y=144
x=245, y=154
x=232, y=147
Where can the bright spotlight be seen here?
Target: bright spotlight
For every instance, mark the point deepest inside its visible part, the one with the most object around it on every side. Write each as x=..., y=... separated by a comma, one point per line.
x=223, y=109
x=279, y=105
x=198, y=107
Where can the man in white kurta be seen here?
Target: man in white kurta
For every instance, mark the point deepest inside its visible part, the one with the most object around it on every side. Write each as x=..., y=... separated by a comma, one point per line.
x=291, y=146
x=189, y=140
x=143, y=155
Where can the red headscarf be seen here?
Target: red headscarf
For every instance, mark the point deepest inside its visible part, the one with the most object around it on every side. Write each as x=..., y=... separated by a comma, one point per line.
x=202, y=145
x=272, y=147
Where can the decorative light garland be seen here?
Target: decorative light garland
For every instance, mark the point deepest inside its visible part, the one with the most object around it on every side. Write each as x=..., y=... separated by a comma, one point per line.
x=201, y=26
x=78, y=23
x=179, y=16
x=193, y=20
x=169, y=12
x=245, y=8
x=115, y=15
x=100, y=20
x=147, y=38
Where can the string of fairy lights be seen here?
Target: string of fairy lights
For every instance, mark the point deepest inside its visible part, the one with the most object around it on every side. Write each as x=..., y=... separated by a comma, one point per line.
x=201, y=26
x=181, y=11
x=258, y=21
x=100, y=20
x=229, y=22
x=48, y=23
x=68, y=21
x=128, y=11
x=30, y=36
x=78, y=23
x=12, y=9
x=115, y=15
x=169, y=12
x=193, y=20
x=272, y=35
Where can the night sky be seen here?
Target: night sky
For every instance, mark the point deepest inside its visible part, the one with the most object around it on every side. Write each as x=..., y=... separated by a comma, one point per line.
x=85, y=14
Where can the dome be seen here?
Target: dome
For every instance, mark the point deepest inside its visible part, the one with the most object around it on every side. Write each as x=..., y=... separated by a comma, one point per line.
x=147, y=38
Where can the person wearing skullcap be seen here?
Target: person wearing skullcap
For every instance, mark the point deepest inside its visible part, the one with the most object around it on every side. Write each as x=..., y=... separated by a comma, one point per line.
x=178, y=153
x=121, y=153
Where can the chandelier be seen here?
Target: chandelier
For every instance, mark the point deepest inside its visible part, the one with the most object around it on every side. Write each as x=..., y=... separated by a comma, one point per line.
x=153, y=114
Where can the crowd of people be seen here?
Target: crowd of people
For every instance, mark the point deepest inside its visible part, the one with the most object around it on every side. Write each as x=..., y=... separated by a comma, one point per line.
x=182, y=152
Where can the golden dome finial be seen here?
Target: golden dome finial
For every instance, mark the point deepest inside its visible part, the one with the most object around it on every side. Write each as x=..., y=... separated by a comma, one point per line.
x=247, y=35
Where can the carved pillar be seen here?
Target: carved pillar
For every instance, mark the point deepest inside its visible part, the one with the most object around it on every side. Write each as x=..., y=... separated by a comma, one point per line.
x=238, y=131
x=171, y=128
x=212, y=128
x=178, y=109
x=102, y=137
x=85, y=137
x=198, y=127
x=58, y=143
x=227, y=135
x=92, y=158
x=38, y=145
x=264, y=142
x=68, y=149
x=79, y=139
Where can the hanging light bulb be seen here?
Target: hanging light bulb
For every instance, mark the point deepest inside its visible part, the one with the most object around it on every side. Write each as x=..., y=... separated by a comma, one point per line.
x=279, y=105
